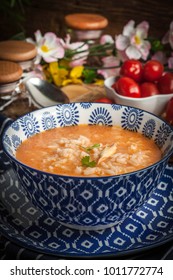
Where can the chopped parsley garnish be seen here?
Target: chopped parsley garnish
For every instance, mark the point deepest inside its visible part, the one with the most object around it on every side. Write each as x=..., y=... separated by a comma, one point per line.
x=86, y=162
x=88, y=149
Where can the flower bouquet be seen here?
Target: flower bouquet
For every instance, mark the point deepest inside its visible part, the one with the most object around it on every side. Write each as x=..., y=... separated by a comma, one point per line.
x=64, y=62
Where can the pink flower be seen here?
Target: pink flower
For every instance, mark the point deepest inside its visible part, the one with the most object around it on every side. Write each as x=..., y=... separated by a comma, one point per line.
x=106, y=39
x=108, y=62
x=170, y=61
x=49, y=47
x=133, y=41
x=160, y=56
x=79, y=51
x=168, y=37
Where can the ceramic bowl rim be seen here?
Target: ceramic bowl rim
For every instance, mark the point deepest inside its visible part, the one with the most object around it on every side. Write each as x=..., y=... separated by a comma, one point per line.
x=93, y=178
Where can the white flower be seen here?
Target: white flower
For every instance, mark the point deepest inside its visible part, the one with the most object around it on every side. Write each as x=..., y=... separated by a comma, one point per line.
x=160, y=56
x=49, y=47
x=111, y=63
x=133, y=40
x=106, y=39
x=80, y=50
x=168, y=38
x=170, y=62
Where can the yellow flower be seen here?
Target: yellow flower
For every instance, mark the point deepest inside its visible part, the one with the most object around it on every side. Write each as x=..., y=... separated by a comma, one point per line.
x=47, y=73
x=99, y=82
x=58, y=74
x=76, y=72
x=74, y=76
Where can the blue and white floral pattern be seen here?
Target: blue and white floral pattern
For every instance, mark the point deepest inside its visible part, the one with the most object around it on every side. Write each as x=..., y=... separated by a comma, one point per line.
x=30, y=124
x=16, y=141
x=100, y=116
x=162, y=135
x=149, y=128
x=48, y=121
x=67, y=114
x=86, y=105
x=15, y=125
x=132, y=118
x=7, y=140
x=116, y=107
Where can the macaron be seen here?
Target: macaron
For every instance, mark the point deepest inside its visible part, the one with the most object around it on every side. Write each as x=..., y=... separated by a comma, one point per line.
x=84, y=21
x=16, y=51
x=9, y=72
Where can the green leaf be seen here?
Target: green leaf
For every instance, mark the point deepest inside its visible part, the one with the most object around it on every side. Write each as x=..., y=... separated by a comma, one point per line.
x=89, y=75
x=86, y=162
x=156, y=45
x=88, y=149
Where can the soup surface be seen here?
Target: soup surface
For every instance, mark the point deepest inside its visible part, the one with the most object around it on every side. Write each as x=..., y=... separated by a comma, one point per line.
x=87, y=150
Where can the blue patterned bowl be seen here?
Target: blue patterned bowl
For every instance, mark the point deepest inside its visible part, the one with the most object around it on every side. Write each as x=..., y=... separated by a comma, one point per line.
x=80, y=202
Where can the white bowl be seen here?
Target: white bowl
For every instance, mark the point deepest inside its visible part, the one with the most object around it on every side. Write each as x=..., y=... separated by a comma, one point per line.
x=154, y=104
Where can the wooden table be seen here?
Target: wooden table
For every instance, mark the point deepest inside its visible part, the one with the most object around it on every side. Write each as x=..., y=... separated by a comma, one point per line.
x=22, y=105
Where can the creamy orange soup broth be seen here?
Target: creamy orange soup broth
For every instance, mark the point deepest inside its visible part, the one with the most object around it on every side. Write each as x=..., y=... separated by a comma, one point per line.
x=87, y=150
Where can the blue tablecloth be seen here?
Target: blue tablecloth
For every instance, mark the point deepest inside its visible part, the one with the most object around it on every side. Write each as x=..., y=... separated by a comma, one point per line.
x=9, y=250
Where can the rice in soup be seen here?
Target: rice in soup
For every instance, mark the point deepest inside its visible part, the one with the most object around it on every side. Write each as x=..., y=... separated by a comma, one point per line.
x=88, y=150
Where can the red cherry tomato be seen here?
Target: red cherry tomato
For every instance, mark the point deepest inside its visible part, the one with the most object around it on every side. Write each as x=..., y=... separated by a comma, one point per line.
x=152, y=71
x=169, y=111
x=104, y=100
x=165, y=84
x=132, y=68
x=115, y=86
x=148, y=89
x=128, y=87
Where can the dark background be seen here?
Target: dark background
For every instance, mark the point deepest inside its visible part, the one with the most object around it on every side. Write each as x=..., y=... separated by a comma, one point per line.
x=27, y=16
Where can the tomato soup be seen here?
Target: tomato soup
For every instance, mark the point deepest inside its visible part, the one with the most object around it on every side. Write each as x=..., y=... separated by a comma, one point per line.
x=88, y=150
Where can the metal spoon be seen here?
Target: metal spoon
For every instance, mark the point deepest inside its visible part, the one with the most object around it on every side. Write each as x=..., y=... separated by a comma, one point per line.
x=44, y=93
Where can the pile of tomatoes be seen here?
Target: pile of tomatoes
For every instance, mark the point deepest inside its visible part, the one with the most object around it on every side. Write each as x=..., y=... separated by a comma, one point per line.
x=143, y=80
